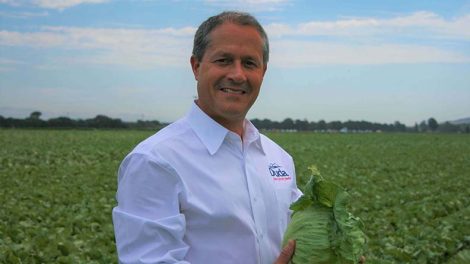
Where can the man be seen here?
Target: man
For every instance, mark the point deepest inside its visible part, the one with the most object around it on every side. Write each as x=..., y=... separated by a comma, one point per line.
x=209, y=188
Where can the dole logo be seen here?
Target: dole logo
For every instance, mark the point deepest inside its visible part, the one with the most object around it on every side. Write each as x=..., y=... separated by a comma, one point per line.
x=277, y=171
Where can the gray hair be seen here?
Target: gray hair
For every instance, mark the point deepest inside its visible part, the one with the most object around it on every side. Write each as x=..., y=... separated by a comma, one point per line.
x=202, y=37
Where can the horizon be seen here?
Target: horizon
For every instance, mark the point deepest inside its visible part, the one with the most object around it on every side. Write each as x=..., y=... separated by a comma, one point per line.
x=379, y=62
x=251, y=119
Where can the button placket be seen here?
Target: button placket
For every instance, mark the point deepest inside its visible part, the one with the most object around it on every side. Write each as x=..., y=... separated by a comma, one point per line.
x=258, y=203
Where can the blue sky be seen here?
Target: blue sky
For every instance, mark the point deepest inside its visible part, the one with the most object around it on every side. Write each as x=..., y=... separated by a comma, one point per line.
x=380, y=61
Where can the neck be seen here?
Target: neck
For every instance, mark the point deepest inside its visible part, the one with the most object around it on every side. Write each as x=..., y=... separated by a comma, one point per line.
x=234, y=124
x=236, y=127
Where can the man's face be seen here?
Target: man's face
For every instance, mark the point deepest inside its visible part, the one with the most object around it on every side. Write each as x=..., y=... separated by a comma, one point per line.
x=230, y=73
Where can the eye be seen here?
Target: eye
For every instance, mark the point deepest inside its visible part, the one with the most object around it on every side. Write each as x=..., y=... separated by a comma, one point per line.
x=251, y=64
x=222, y=61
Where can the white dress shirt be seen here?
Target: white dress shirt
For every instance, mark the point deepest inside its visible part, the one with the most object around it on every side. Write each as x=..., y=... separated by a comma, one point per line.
x=196, y=193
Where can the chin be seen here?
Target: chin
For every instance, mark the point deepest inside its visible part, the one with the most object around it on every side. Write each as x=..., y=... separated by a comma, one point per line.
x=232, y=114
x=235, y=110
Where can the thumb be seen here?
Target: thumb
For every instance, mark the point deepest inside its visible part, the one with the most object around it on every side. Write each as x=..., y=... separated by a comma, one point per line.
x=286, y=253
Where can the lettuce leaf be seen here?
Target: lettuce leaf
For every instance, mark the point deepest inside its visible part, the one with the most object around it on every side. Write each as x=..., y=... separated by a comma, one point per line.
x=324, y=230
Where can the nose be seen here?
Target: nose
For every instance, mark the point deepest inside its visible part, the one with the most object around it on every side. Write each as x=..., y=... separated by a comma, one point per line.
x=236, y=73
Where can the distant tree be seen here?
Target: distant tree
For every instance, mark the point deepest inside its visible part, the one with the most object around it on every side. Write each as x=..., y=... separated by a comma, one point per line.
x=35, y=115
x=422, y=126
x=32, y=121
x=312, y=126
x=356, y=125
x=102, y=121
x=150, y=124
x=301, y=124
x=432, y=124
x=61, y=122
x=262, y=124
x=335, y=125
x=288, y=123
x=267, y=124
x=448, y=128
x=467, y=129
x=276, y=125
x=399, y=126
x=321, y=125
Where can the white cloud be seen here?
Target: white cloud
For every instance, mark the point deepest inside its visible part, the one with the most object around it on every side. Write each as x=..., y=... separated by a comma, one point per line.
x=62, y=4
x=51, y=4
x=419, y=24
x=106, y=38
x=10, y=2
x=134, y=47
x=351, y=43
x=287, y=53
x=23, y=15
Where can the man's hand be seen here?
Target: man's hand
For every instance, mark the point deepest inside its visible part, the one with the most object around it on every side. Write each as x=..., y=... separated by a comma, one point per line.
x=286, y=253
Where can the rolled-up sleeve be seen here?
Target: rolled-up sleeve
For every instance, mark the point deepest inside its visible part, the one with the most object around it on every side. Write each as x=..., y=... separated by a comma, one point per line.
x=148, y=225
x=296, y=192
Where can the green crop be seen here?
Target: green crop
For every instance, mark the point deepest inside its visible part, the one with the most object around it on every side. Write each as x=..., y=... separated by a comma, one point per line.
x=324, y=230
x=58, y=187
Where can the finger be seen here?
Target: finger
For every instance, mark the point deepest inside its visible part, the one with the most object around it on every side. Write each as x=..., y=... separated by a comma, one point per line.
x=286, y=253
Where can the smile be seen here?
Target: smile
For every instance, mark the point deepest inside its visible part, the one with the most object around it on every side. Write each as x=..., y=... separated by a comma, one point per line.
x=232, y=91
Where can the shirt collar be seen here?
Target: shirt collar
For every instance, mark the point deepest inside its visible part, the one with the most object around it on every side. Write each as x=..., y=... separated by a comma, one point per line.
x=210, y=132
x=213, y=134
x=252, y=135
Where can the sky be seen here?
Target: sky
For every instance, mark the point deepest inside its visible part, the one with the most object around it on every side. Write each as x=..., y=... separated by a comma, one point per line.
x=379, y=61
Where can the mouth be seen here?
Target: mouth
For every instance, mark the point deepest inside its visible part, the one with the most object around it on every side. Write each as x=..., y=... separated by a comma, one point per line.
x=232, y=91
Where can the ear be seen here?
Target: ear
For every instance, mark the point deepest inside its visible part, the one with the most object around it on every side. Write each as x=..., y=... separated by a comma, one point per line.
x=195, y=66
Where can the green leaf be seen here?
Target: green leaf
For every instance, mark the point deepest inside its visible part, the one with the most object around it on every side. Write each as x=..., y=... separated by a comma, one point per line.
x=302, y=203
x=324, y=230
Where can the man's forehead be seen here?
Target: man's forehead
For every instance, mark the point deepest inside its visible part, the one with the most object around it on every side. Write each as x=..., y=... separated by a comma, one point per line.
x=230, y=51
x=235, y=26
x=229, y=32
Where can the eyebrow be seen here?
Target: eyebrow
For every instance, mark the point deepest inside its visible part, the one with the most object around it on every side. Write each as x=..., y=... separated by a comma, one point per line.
x=228, y=54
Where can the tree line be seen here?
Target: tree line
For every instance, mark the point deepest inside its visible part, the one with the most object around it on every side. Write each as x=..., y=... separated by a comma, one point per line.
x=101, y=121
x=430, y=125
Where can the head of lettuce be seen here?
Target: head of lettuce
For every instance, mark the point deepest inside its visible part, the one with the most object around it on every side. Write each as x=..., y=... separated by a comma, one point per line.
x=324, y=230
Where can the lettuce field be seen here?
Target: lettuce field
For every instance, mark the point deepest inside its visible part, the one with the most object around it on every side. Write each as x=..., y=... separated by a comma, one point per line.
x=412, y=191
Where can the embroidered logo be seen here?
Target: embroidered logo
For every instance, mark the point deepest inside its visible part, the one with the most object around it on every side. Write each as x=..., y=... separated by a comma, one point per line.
x=278, y=173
